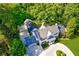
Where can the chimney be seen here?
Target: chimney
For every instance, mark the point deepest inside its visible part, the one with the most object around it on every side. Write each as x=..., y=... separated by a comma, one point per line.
x=42, y=26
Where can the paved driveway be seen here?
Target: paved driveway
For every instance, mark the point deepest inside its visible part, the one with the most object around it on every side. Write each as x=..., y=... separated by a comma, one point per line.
x=51, y=51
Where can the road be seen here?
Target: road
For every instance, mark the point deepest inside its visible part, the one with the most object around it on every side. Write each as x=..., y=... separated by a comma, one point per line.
x=51, y=51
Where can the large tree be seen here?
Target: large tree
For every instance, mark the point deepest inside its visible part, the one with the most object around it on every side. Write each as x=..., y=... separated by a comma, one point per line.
x=71, y=28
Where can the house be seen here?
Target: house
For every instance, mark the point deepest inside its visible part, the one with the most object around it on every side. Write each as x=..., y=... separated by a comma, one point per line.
x=38, y=36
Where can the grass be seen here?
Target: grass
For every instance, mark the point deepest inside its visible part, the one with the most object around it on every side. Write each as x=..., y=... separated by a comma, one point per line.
x=72, y=44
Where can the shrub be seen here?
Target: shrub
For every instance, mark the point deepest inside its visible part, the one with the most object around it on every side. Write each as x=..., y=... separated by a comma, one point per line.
x=60, y=53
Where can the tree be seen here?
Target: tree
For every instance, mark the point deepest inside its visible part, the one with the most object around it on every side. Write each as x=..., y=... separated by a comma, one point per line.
x=77, y=27
x=17, y=48
x=71, y=28
x=4, y=46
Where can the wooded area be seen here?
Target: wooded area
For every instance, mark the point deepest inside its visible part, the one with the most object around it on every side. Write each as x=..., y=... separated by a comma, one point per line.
x=13, y=15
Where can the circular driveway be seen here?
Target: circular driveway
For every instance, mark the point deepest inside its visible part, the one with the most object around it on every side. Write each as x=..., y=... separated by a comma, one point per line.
x=51, y=50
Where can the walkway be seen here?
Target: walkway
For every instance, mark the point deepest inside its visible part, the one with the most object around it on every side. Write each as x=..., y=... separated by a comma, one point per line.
x=51, y=51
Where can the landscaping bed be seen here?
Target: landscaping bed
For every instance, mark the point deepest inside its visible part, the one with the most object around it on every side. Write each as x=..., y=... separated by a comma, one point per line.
x=60, y=53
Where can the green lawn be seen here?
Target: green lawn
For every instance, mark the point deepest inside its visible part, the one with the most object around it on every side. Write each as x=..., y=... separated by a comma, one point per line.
x=72, y=44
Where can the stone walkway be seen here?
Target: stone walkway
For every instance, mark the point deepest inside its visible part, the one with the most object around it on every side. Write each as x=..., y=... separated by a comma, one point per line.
x=51, y=51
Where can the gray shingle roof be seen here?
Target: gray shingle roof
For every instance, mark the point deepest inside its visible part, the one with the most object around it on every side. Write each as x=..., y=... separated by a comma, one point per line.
x=23, y=31
x=53, y=29
x=43, y=33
